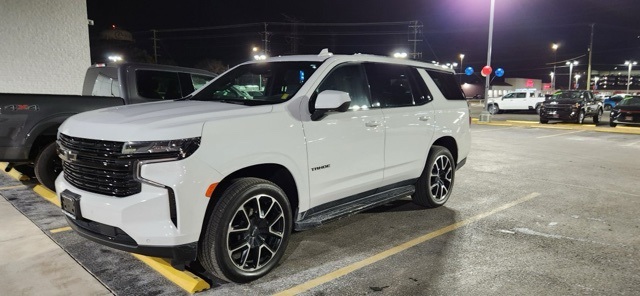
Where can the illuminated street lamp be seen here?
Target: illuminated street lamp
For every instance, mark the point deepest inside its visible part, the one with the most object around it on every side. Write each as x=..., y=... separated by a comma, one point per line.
x=630, y=64
x=555, y=49
x=595, y=82
x=577, y=77
x=552, y=75
x=260, y=57
x=115, y=58
x=400, y=55
x=571, y=64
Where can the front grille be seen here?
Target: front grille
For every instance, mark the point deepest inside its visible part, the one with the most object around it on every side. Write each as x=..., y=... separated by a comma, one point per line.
x=99, y=166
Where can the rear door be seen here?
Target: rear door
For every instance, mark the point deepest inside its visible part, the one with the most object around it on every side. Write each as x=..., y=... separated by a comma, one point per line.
x=408, y=117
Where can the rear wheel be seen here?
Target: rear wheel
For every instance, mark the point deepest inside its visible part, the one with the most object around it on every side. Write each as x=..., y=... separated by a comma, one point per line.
x=493, y=109
x=434, y=185
x=597, y=117
x=248, y=231
x=48, y=166
x=580, y=118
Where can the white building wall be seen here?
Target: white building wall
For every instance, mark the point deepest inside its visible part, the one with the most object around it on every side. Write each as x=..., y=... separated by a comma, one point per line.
x=44, y=46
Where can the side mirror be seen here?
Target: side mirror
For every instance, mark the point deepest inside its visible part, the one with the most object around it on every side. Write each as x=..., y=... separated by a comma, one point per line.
x=330, y=100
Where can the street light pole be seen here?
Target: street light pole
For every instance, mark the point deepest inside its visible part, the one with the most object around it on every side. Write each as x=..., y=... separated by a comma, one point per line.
x=553, y=79
x=630, y=64
x=577, y=77
x=571, y=70
x=487, y=80
x=461, y=68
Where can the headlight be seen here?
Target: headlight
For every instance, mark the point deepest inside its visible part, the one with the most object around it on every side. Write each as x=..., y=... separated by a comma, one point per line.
x=181, y=148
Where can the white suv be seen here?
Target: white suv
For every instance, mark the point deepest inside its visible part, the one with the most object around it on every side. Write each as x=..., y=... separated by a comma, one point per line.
x=224, y=175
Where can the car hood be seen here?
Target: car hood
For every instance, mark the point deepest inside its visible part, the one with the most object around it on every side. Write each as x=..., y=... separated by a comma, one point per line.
x=560, y=102
x=153, y=121
x=626, y=108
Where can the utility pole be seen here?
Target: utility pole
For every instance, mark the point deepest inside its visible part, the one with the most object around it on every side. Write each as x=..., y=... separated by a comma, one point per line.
x=265, y=38
x=414, y=29
x=589, y=67
x=155, y=47
x=293, y=38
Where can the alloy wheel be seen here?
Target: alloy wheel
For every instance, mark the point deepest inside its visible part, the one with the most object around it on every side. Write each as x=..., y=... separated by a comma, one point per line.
x=441, y=177
x=255, y=232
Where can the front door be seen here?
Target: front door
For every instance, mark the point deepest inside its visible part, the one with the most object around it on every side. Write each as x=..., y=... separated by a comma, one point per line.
x=345, y=150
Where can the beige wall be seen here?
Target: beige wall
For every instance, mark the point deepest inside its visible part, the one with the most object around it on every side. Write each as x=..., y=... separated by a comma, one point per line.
x=44, y=46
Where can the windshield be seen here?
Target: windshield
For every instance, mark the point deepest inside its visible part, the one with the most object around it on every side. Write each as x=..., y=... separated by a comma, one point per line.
x=259, y=83
x=630, y=101
x=567, y=95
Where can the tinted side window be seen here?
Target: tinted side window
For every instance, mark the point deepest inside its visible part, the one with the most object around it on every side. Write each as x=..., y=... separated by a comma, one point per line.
x=348, y=78
x=158, y=85
x=447, y=84
x=390, y=84
x=521, y=95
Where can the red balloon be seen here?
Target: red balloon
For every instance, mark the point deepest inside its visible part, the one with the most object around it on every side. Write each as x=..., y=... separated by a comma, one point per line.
x=486, y=70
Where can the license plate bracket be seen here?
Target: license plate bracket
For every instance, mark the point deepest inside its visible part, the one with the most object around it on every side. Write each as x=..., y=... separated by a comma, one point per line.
x=70, y=204
x=628, y=118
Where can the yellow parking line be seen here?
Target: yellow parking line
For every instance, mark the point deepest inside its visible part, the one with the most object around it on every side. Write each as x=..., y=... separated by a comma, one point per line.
x=184, y=279
x=13, y=173
x=397, y=249
x=561, y=134
x=47, y=194
x=61, y=229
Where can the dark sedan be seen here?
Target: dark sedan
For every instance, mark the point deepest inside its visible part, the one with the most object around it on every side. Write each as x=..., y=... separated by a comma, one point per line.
x=626, y=112
x=572, y=106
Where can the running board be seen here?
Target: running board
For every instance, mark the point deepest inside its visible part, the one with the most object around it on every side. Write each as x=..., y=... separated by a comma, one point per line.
x=350, y=208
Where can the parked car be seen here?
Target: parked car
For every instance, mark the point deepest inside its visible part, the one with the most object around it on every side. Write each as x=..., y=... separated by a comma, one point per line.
x=626, y=112
x=612, y=101
x=30, y=121
x=519, y=100
x=571, y=105
x=223, y=180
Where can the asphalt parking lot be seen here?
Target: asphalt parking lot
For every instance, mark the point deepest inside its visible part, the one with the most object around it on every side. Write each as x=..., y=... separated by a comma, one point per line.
x=535, y=211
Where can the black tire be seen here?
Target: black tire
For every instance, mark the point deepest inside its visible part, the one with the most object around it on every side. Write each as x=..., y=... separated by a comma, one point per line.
x=430, y=188
x=257, y=243
x=612, y=124
x=493, y=109
x=538, y=107
x=607, y=107
x=544, y=120
x=597, y=116
x=48, y=166
x=580, y=118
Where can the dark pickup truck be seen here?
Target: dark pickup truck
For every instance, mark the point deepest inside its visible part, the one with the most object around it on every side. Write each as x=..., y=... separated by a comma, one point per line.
x=29, y=122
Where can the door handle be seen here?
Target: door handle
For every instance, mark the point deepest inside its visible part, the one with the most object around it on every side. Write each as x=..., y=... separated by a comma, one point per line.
x=424, y=118
x=372, y=124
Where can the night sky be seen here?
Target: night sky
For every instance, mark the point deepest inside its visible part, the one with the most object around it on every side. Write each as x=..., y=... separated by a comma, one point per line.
x=523, y=30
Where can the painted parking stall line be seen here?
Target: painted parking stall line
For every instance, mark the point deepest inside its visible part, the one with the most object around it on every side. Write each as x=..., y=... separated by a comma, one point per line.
x=397, y=249
x=561, y=134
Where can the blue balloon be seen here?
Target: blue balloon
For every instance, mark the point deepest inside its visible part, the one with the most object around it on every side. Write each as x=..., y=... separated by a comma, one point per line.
x=499, y=72
x=468, y=71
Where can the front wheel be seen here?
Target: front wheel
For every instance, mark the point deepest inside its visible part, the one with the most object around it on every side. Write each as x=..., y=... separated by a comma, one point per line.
x=612, y=124
x=597, y=116
x=434, y=185
x=48, y=166
x=248, y=231
x=544, y=120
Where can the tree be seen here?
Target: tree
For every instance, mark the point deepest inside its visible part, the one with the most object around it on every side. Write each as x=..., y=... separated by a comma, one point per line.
x=211, y=65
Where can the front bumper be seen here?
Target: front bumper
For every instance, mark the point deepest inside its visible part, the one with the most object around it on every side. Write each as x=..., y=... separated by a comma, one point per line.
x=560, y=114
x=142, y=223
x=116, y=238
